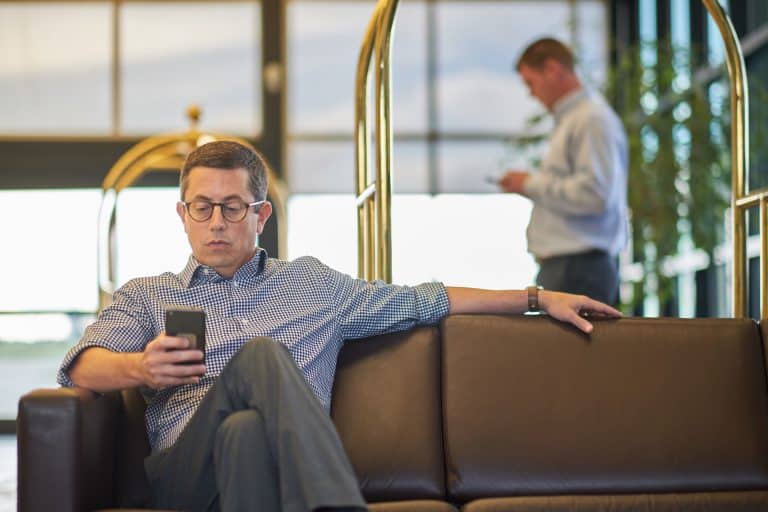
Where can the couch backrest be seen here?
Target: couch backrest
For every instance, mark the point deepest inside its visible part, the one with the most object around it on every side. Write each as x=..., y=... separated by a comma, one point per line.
x=386, y=406
x=534, y=407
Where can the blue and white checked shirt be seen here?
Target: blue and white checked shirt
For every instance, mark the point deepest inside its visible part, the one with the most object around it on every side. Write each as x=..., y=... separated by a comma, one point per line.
x=303, y=304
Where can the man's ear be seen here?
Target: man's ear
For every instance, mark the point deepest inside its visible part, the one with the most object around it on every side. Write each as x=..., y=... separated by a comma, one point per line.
x=555, y=69
x=182, y=213
x=265, y=212
x=550, y=67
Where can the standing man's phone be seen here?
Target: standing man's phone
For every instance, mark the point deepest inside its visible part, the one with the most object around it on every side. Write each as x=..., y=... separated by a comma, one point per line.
x=189, y=323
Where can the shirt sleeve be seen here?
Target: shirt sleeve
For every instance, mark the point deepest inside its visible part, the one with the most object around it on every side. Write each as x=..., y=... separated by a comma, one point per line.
x=596, y=159
x=370, y=308
x=123, y=326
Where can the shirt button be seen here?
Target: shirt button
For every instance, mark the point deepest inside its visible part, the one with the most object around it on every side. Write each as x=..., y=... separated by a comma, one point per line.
x=234, y=283
x=244, y=321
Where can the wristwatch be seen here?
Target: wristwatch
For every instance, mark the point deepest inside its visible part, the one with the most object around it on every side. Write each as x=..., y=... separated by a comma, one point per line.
x=533, y=299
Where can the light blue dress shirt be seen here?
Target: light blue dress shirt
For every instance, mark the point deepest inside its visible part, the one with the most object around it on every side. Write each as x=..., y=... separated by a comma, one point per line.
x=579, y=193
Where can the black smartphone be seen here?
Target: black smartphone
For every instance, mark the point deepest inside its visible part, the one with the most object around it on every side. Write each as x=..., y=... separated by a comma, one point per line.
x=187, y=322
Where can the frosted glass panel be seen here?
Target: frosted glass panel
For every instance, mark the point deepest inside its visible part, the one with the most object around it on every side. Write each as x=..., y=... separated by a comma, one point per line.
x=206, y=53
x=55, y=68
x=32, y=347
x=323, y=49
x=471, y=166
x=150, y=235
x=592, y=39
x=328, y=167
x=49, y=250
x=438, y=238
x=478, y=45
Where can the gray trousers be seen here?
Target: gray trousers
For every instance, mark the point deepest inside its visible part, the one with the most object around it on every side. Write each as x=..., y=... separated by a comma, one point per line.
x=593, y=273
x=260, y=440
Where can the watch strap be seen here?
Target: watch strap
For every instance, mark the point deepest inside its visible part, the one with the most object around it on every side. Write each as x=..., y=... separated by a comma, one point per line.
x=533, y=299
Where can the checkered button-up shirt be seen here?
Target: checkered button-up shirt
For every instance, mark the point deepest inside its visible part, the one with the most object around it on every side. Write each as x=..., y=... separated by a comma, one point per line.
x=303, y=304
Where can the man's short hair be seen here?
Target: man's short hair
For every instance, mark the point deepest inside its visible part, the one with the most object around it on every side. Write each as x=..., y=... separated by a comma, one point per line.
x=229, y=155
x=543, y=49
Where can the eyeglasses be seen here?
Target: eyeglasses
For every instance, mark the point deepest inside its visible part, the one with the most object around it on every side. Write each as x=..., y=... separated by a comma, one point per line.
x=234, y=210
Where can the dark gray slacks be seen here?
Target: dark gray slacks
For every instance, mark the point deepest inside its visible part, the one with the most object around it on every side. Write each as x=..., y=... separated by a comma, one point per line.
x=260, y=440
x=593, y=273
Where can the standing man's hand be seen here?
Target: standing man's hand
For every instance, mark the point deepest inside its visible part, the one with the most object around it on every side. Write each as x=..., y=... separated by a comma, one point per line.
x=514, y=182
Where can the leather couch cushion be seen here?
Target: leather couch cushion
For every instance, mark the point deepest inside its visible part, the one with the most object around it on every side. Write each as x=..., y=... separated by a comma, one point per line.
x=754, y=501
x=534, y=407
x=386, y=406
x=133, y=510
x=412, y=506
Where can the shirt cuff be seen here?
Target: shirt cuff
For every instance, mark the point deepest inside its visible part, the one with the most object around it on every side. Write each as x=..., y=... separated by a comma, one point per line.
x=431, y=302
x=534, y=186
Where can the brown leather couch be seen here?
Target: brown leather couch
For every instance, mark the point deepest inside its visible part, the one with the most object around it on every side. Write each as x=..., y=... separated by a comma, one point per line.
x=485, y=413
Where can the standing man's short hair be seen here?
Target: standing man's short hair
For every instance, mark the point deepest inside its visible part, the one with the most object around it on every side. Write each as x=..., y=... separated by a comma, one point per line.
x=229, y=155
x=541, y=50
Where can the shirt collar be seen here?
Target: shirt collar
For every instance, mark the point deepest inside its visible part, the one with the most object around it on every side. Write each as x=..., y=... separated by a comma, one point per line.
x=568, y=102
x=196, y=273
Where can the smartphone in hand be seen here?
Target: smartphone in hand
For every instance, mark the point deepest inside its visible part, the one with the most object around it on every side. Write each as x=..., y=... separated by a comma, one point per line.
x=187, y=322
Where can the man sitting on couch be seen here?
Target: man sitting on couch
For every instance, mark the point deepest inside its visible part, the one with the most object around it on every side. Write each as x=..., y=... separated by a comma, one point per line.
x=248, y=427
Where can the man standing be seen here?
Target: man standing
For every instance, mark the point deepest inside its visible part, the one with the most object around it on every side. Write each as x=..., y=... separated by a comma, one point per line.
x=248, y=427
x=578, y=224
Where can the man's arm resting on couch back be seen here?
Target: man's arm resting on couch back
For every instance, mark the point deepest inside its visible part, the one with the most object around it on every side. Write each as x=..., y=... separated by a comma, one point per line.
x=101, y=370
x=562, y=306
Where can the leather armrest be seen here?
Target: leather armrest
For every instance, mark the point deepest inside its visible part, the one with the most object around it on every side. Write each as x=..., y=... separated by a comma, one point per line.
x=66, y=442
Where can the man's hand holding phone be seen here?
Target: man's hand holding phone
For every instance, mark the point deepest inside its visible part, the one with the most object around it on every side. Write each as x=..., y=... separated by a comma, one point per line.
x=514, y=181
x=171, y=361
x=177, y=356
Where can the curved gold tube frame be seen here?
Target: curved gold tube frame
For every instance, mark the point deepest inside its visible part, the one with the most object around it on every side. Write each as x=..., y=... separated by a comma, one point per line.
x=374, y=215
x=741, y=199
x=159, y=153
